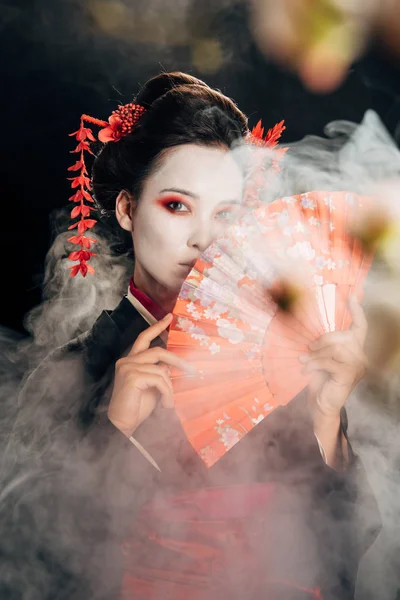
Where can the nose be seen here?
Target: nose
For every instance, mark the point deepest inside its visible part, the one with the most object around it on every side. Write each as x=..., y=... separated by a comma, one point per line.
x=202, y=235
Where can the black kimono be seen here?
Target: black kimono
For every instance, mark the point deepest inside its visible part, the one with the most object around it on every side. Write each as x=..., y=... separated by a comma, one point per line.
x=84, y=513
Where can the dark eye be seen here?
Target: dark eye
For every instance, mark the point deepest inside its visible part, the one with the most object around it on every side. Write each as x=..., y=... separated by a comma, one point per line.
x=177, y=206
x=226, y=215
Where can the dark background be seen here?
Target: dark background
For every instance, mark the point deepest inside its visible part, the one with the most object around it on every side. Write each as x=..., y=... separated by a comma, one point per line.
x=61, y=58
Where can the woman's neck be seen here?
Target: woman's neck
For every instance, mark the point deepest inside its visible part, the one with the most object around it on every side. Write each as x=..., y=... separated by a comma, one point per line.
x=154, y=290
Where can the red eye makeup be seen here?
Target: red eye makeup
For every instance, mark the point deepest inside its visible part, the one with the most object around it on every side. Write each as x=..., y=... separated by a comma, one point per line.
x=174, y=204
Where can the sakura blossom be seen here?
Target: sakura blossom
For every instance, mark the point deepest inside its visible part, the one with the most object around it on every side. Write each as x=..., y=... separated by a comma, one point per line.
x=257, y=420
x=330, y=264
x=212, y=314
x=229, y=437
x=214, y=348
x=301, y=250
x=183, y=323
x=329, y=202
x=197, y=333
x=229, y=331
x=308, y=203
x=192, y=310
x=299, y=227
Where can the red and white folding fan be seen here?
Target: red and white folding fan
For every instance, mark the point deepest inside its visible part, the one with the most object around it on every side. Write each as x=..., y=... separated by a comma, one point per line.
x=253, y=303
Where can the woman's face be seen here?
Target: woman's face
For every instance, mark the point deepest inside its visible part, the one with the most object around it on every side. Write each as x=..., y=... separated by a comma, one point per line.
x=184, y=206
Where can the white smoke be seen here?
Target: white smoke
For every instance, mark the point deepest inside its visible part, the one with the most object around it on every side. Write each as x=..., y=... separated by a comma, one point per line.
x=352, y=157
x=365, y=159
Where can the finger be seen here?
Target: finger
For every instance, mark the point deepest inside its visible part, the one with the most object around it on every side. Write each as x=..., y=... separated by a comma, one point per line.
x=331, y=338
x=161, y=355
x=144, y=339
x=340, y=353
x=135, y=374
x=158, y=380
x=153, y=370
x=360, y=324
x=329, y=365
x=338, y=372
x=161, y=372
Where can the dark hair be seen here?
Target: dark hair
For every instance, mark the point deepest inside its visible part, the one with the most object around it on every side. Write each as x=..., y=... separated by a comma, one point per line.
x=180, y=109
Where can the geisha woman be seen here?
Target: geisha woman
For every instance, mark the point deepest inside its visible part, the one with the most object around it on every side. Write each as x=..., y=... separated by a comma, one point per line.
x=95, y=513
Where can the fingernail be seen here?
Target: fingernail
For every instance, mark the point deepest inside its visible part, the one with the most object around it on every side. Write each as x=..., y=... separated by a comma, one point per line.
x=304, y=358
x=167, y=317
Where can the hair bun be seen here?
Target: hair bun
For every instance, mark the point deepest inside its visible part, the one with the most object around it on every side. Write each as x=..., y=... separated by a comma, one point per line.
x=158, y=86
x=182, y=110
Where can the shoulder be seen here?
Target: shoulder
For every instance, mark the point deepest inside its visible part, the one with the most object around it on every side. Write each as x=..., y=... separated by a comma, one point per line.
x=95, y=350
x=53, y=461
x=74, y=375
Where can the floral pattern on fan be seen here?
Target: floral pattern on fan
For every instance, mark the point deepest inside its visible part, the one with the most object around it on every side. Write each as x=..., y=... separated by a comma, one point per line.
x=227, y=323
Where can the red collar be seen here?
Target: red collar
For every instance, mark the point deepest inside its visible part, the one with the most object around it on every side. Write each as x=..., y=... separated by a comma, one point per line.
x=147, y=302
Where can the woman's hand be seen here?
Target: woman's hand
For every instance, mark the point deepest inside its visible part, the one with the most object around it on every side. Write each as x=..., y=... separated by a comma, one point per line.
x=337, y=363
x=142, y=379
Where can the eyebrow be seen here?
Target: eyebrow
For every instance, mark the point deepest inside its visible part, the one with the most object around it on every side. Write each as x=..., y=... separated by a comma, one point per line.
x=195, y=196
x=181, y=191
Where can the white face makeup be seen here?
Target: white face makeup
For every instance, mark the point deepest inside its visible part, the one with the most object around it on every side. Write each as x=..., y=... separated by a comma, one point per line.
x=185, y=205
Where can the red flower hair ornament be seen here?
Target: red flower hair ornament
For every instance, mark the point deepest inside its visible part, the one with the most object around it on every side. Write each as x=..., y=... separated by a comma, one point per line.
x=256, y=180
x=121, y=123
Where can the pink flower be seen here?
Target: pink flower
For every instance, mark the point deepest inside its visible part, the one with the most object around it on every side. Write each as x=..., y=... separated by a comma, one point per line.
x=229, y=437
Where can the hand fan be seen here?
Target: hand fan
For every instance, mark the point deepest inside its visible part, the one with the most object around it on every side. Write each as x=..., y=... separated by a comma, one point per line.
x=253, y=302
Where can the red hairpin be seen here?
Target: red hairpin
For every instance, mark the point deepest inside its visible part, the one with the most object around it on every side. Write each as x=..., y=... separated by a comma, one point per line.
x=256, y=180
x=121, y=123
